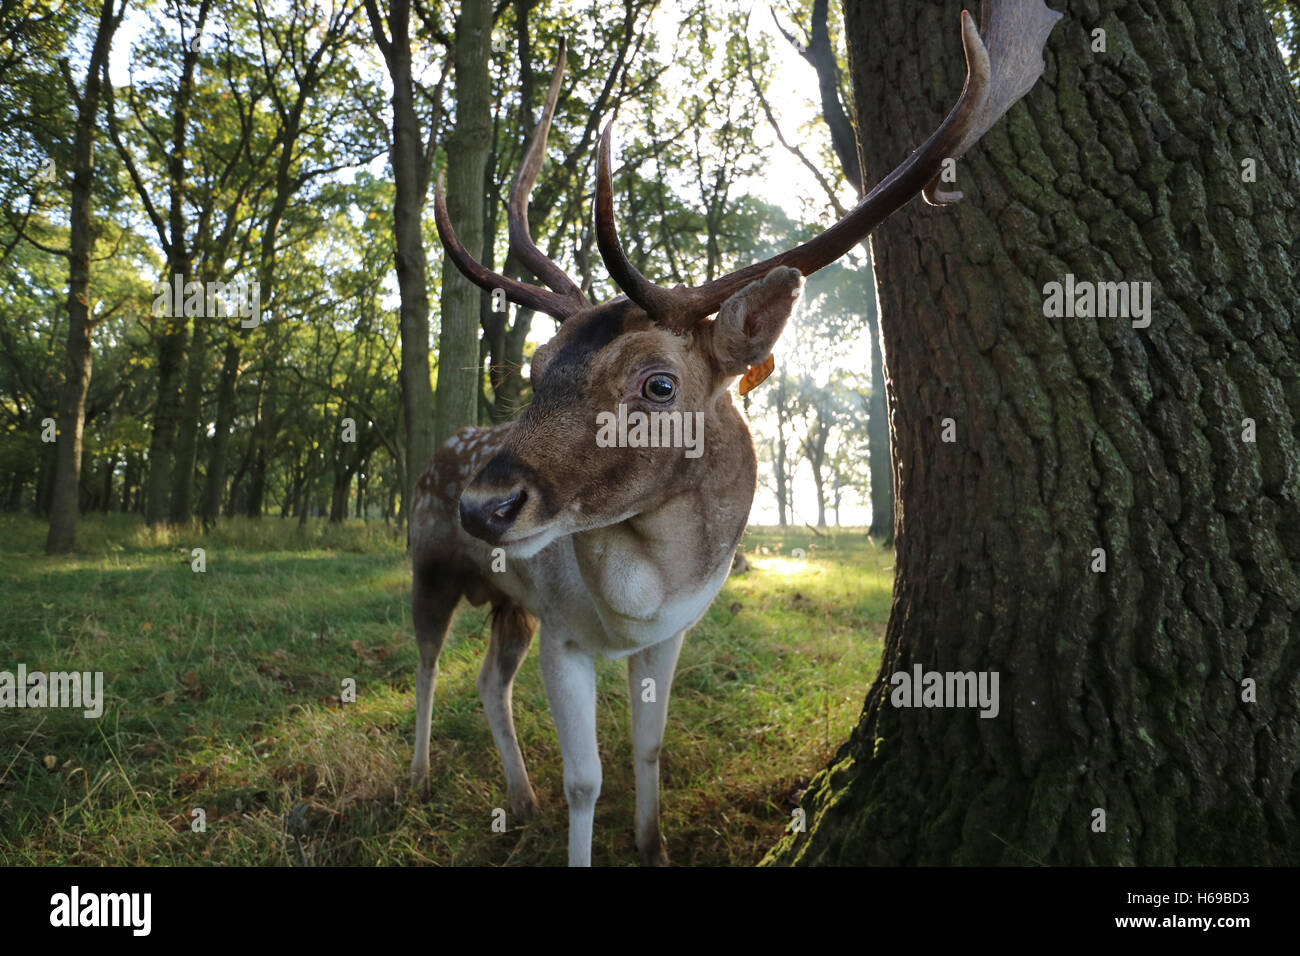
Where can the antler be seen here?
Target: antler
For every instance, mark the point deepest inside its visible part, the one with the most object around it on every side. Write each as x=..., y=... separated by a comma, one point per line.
x=1002, y=65
x=564, y=298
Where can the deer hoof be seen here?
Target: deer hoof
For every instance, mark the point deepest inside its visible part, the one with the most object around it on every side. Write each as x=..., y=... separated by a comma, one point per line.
x=523, y=808
x=420, y=783
x=656, y=855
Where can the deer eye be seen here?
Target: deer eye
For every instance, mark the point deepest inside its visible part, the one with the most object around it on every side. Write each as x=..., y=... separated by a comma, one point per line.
x=659, y=388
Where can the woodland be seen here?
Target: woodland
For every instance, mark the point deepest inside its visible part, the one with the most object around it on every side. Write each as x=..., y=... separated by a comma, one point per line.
x=1051, y=431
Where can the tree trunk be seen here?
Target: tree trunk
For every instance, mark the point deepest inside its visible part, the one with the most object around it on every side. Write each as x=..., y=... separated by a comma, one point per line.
x=411, y=160
x=81, y=243
x=106, y=499
x=171, y=345
x=215, y=482
x=1120, y=690
x=187, y=437
x=263, y=432
x=129, y=479
x=162, y=440
x=339, y=492
x=467, y=150
x=820, y=484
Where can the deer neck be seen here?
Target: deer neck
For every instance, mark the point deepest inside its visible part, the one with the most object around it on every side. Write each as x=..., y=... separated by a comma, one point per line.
x=657, y=566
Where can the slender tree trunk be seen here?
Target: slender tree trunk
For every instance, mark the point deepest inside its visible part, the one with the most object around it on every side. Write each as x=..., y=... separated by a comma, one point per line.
x=821, y=496
x=162, y=441
x=44, y=491
x=81, y=243
x=106, y=499
x=219, y=449
x=171, y=346
x=263, y=432
x=129, y=479
x=467, y=150
x=341, y=485
x=779, y=464
x=410, y=157
x=187, y=438
x=1157, y=688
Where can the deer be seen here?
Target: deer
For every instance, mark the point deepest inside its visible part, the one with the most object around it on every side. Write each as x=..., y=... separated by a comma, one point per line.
x=616, y=551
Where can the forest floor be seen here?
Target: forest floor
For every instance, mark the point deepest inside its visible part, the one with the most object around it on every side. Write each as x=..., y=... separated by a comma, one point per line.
x=222, y=693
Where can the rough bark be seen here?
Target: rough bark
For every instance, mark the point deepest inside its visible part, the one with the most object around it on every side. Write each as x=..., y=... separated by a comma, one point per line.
x=1119, y=690
x=81, y=244
x=467, y=150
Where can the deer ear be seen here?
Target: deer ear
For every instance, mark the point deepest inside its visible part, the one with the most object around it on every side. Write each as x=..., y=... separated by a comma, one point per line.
x=750, y=322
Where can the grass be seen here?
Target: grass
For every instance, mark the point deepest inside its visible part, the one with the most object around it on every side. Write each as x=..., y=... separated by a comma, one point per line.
x=223, y=694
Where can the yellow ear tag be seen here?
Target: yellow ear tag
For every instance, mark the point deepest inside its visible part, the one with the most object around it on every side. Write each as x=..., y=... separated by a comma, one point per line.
x=756, y=375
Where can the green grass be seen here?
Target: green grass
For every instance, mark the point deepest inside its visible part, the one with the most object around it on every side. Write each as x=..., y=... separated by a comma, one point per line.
x=223, y=694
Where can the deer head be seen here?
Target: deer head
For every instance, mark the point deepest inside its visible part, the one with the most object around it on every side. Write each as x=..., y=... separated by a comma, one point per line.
x=675, y=350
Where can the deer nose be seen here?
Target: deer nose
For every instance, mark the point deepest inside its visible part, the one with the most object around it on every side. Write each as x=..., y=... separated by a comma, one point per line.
x=490, y=518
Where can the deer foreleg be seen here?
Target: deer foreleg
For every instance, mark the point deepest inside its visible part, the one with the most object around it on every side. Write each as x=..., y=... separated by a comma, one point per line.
x=649, y=679
x=512, y=632
x=432, y=604
x=570, y=678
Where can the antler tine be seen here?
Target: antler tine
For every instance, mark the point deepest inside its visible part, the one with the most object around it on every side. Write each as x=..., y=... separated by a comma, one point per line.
x=1001, y=67
x=657, y=301
x=521, y=240
x=521, y=293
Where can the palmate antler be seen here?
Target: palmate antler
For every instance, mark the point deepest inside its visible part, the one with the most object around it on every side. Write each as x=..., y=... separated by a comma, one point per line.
x=1003, y=61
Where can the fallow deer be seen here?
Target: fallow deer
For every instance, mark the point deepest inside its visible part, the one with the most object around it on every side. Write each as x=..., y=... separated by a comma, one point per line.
x=618, y=551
